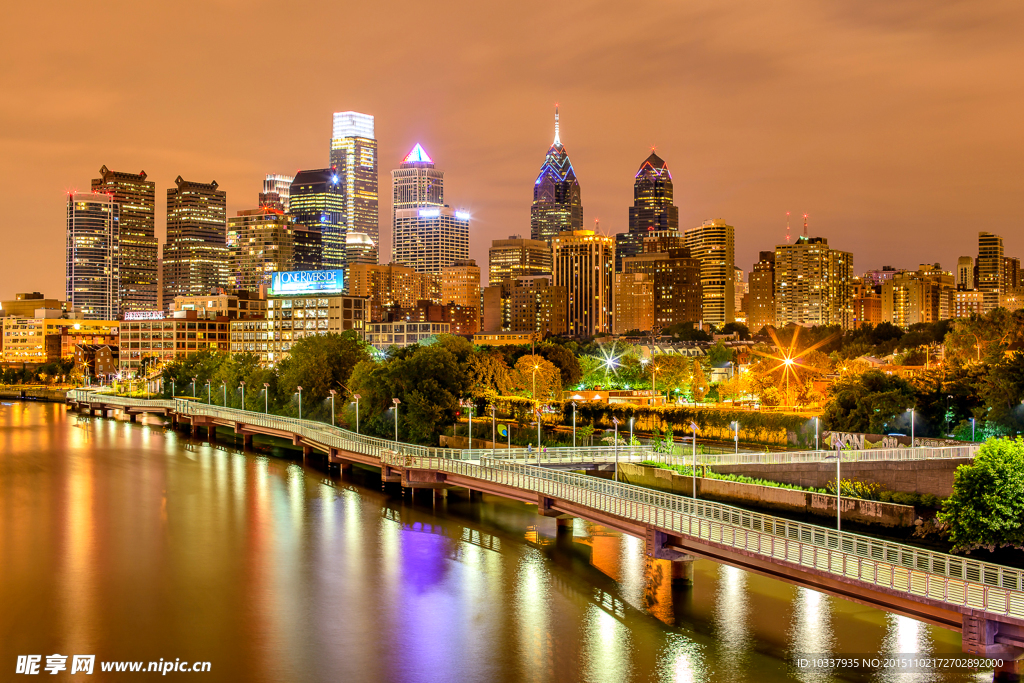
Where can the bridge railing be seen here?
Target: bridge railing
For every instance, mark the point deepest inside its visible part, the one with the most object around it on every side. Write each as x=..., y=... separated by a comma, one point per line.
x=882, y=454
x=582, y=454
x=122, y=401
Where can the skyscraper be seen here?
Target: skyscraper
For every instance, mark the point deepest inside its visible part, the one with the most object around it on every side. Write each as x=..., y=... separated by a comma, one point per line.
x=965, y=273
x=813, y=284
x=428, y=235
x=195, y=258
x=990, y=269
x=675, y=277
x=354, y=155
x=316, y=202
x=713, y=243
x=276, y=188
x=517, y=257
x=652, y=208
x=136, y=198
x=557, y=205
x=260, y=243
x=583, y=262
x=761, y=303
x=93, y=258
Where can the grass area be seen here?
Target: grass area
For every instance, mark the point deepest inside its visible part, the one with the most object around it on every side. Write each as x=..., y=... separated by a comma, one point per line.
x=850, y=488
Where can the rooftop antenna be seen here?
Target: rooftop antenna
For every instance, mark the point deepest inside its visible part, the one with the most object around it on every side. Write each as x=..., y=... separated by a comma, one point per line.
x=557, y=141
x=805, y=225
x=787, y=227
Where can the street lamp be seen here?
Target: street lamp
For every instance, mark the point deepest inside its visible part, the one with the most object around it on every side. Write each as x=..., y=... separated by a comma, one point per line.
x=242, y=387
x=839, y=482
x=494, y=431
x=575, y=398
x=357, y=397
x=912, y=442
x=209, y=400
x=631, y=435
x=224, y=386
x=396, y=402
x=615, y=421
x=300, y=402
x=333, y=392
x=193, y=386
x=815, y=432
x=266, y=397
x=736, y=434
x=172, y=388
x=972, y=429
x=693, y=426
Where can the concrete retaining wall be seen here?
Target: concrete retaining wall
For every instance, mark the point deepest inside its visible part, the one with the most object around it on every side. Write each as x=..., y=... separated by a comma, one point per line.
x=463, y=442
x=769, y=497
x=908, y=476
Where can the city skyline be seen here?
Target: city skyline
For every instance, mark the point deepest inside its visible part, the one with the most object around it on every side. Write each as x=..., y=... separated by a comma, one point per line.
x=874, y=181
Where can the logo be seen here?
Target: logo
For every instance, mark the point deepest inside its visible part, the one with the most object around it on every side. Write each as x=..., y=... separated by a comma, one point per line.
x=311, y=281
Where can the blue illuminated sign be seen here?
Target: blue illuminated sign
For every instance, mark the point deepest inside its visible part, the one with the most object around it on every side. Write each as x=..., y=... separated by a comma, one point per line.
x=307, y=282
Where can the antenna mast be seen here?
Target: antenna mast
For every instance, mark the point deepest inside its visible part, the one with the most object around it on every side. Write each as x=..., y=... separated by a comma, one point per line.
x=787, y=227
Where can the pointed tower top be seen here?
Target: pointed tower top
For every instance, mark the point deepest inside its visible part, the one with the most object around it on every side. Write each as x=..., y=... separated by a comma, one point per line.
x=557, y=143
x=417, y=155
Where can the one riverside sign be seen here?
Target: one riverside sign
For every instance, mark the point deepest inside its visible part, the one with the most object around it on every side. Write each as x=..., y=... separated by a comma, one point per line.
x=299, y=282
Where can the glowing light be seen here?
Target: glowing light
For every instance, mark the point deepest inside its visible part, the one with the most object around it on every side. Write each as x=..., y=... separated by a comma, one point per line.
x=462, y=215
x=417, y=155
x=430, y=213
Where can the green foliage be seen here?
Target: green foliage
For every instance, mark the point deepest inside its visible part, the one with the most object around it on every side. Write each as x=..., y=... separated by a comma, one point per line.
x=867, y=403
x=319, y=364
x=705, y=473
x=739, y=328
x=563, y=359
x=686, y=332
x=850, y=488
x=986, y=509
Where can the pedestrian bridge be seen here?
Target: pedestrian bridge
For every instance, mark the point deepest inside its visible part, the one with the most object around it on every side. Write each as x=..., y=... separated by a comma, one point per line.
x=983, y=601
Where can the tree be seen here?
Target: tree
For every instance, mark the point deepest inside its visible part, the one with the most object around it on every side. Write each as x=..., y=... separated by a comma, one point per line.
x=548, y=378
x=675, y=373
x=719, y=355
x=739, y=328
x=564, y=360
x=686, y=332
x=867, y=403
x=318, y=364
x=489, y=375
x=699, y=387
x=986, y=509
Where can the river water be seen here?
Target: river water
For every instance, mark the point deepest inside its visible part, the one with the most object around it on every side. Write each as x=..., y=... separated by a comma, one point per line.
x=135, y=542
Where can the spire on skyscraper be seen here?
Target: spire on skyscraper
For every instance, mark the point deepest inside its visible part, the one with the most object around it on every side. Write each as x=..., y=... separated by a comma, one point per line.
x=557, y=142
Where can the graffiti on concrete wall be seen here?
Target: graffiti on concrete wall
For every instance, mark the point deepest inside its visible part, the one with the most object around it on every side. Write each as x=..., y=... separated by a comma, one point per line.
x=860, y=442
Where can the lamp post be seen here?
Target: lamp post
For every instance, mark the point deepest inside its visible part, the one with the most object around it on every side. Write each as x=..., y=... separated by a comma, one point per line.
x=615, y=421
x=631, y=435
x=536, y=367
x=242, y=386
x=469, y=408
x=839, y=489
x=494, y=431
x=333, y=392
x=357, y=397
x=172, y=388
x=209, y=400
x=815, y=433
x=266, y=398
x=972, y=429
x=396, y=402
x=736, y=434
x=912, y=440
x=224, y=386
x=300, y=402
x=693, y=426
x=574, y=424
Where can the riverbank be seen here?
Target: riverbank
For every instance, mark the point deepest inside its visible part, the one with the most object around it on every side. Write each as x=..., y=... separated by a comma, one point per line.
x=33, y=393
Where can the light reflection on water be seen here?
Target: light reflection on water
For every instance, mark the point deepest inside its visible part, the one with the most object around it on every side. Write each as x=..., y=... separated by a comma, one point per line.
x=129, y=540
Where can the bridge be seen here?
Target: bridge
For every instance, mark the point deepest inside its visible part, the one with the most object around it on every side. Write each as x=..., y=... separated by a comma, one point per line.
x=981, y=600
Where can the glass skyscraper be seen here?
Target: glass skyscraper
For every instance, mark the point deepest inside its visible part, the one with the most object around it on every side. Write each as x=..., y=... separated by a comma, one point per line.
x=428, y=235
x=354, y=156
x=196, y=254
x=138, y=248
x=316, y=202
x=557, y=206
x=93, y=258
x=652, y=210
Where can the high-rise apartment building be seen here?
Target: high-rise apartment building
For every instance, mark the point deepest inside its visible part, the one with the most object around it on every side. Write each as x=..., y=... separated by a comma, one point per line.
x=308, y=249
x=391, y=286
x=583, y=262
x=276, y=190
x=677, y=296
x=557, y=203
x=138, y=249
x=713, y=243
x=965, y=273
x=813, y=284
x=316, y=202
x=195, y=257
x=990, y=269
x=761, y=299
x=634, y=302
x=652, y=210
x=517, y=257
x=354, y=156
x=428, y=235
x=92, y=255
x=460, y=284
x=1011, y=273
x=867, y=303
x=923, y=296
x=359, y=248
x=535, y=305
x=260, y=243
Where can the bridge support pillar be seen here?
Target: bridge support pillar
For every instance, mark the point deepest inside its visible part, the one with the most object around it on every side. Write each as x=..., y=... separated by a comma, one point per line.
x=682, y=573
x=132, y=417
x=1009, y=672
x=306, y=451
x=247, y=440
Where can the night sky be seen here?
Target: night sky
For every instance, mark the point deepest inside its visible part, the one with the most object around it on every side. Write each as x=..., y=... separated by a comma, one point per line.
x=896, y=125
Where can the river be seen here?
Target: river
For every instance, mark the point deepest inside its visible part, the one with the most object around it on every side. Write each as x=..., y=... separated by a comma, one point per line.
x=136, y=542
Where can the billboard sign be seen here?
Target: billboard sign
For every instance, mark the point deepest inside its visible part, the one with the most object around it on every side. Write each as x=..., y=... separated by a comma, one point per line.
x=302, y=282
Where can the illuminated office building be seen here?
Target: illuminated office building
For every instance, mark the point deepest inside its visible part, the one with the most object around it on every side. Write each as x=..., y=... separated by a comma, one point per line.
x=136, y=199
x=557, y=203
x=308, y=248
x=316, y=201
x=965, y=273
x=761, y=300
x=195, y=257
x=517, y=257
x=674, y=277
x=652, y=210
x=713, y=243
x=428, y=235
x=354, y=156
x=582, y=263
x=92, y=255
x=990, y=279
x=276, y=189
x=260, y=243
x=813, y=284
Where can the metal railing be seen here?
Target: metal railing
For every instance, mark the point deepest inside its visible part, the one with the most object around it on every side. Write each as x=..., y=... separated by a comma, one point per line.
x=565, y=455
x=955, y=581
x=882, y=454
